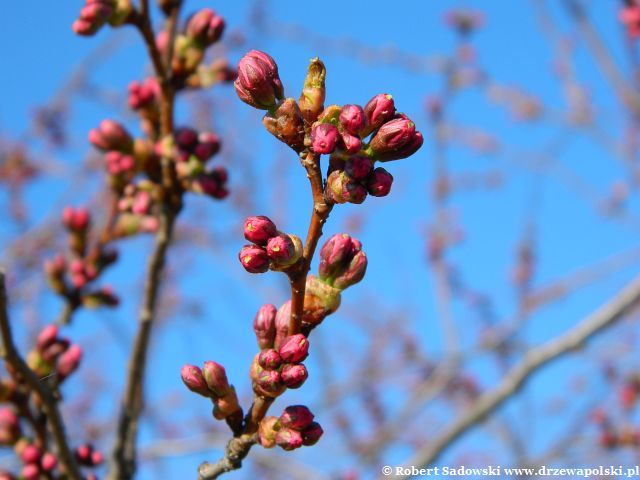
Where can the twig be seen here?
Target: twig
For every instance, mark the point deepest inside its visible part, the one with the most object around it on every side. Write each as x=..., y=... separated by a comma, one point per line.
x=11, y=356
x=533, y=361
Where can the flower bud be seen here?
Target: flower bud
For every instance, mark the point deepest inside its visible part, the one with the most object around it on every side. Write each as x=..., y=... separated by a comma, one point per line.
x=92, y=17
x=267, y=432
x=211, y=183
x=50, y=353
x=297, y=417
x=194, y=380
x=69, y=361
x=287, y=124
x=377, y=111
x=254, y=259
x=341, y=188
x=9, y=426
x=83, y=454
x=208, y=145
x=31, y=454
x=311, y=434
x=294, y=349
x=336, y=254
x=143, y=94
x=186, y=138
x=259, y=229
x=97, y=458
x=358, y=167
x=269, y=359
x=30, y=472
x=282, y=251
x=47, y=336
x=264, y=326
x=293, y=376
x=215, y=377
x=311, y=99
x=205, y=27
x=258, y=83
x=111, y=135
x=283, y=317
x=395, y=139
x=269, y=384
x=379, y=182
x=227, y=405
x=288, y=439
x=353, y=119
x=48, y=462
x=324, y=138
x=353, y=273
x=76, y=220
x=350, y=143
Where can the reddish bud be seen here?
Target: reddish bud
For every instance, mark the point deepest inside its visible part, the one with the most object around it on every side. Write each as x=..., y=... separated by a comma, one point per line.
x=377, y=111
x=264, y=326
x=31, y=454
x=215, y=377
x=336, y=256
x=324, y=138
x=350, y=143
x=288, y=439
x=379, y=182
x=283, y=317
x=194, y=380
x=258, y=83
x=48, y=462
x=9, y=426
x=47, y=337
x=269, y=383
x=358, y=167
x=97, y=458
x=76, y=219
x=30, y=472
x=293, y=376
x=281, y=250
x=311, y=434
x=208, y=145
x=83, y=454
x=111, y=135
x=69, y=361
x=395, y=139
x=143, y=94
x=297, y=417
x=353, y=273
x=294, y=349
x=186, y=138
x=205, y=27
x=269, y=359
x=353, y=119
x=341, y=188
x=259, y=229
x=254, y=259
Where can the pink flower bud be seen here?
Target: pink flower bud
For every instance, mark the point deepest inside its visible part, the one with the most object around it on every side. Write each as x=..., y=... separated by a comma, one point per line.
x=194, y=380
x=297, y=417
x=341, y=188
x=395, y=139
x=48, y=462
x=141, y=203
x=267, y=432
x=54, y=350
x=293, y=376
x=264, y=326
x=283, y=316
x=254, y=259
x=379, y=182
x=288, y=439
x=294, y=349
x=259, y=229
x=353, y=273
x=111, y=135
x=205, y=27
x=358, y=167
x=324, y=138
x=97, y=458
x=31, y=454
x=311, y=434
x=281, y=250
x=269, y=359
x=378, y=110
x=350, y=143
x=208, y=145
x=215, y=377
x=353, y=119
x=9, y=426
x=269, y=383
x=83, y=454
x=77, y=219
x=69, y=361
x=258, y=83
x=143, y=94
x=336, y=254
x=30, y=472
x=47, y=337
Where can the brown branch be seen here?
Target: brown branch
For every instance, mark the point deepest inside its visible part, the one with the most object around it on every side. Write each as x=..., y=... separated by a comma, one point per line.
x=623, y=303
x=11, y=356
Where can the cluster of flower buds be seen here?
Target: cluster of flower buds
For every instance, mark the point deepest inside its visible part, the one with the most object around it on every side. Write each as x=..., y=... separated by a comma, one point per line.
x=144, y=99
x=270, y=249
x=258, y=83
x=630, y=17
x=279, y=365
x=87, y=456
x=293, y=429
x=96, y=13
x=137, y=210
x=211, y=382
x=37, y=463
x=54, y=355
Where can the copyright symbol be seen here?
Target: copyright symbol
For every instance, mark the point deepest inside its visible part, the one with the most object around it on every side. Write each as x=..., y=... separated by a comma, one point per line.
x=387, y=470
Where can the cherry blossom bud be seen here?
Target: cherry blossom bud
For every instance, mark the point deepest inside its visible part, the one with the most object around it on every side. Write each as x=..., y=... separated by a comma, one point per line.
x=9, y=426
x=208, y=145
x=77, y=219
x=47, y=336
x=283, y=317
x=354, y=272
x=378, y=110
x=336, y=255
x=259, y=229
x=281, y=250
x=267, y=432
x=97, y=458
x=269, y=383
x=350, y=143
x=353, y=119
x=254, y=259
x=186, y=138
x=205, y=27
x=269, y=359
x=143, y=94
x=4, y=475
x=297, y=417
x=215, y=377
x=288, y=439
x=341, y=188
x=111, y=135
x=54, y=350
x=395, y=139
x=30, y=472
x=31, y=454
x=311, y=99
x=294, y=349
x=324, y=138
x=69, y=361
x=311, y=434
x=264, y=326
x=48, y=462
x=258, y=83
x=286, y=124
x=358, y=167
x=194, y=380
x=92, y=17
x=227, y=405
x=83, y=454
x=379, y=182
x=293, y=376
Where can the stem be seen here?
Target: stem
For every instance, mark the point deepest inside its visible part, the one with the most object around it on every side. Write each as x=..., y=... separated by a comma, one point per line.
x=11, y=356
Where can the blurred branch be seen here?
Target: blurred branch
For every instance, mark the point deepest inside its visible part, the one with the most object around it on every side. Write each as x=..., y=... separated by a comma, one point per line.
x=532, y=362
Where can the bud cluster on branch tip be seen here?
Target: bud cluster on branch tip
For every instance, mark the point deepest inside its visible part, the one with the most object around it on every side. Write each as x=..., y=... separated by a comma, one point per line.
x=275, y=369
x=54, y=355
x=293, y=429
x=137, y=210
x=36, y=461
x=144, y=98
x=342, y=261
x=258, y=83
x=97, y=13
x=211, y=382
x=630, y=17
x=270, y=249
x=87, y=456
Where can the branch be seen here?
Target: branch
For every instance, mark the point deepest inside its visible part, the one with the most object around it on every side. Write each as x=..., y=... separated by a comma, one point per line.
x=11, y=356
x=533, y=361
